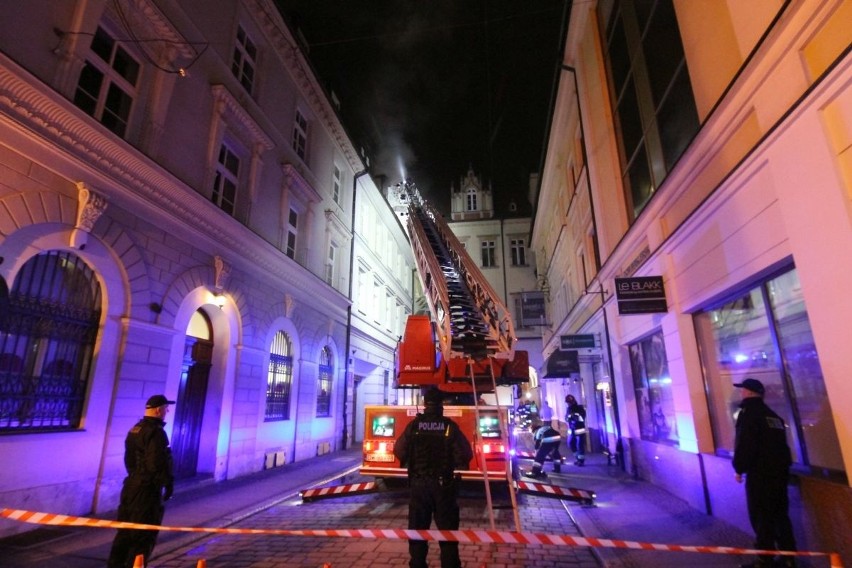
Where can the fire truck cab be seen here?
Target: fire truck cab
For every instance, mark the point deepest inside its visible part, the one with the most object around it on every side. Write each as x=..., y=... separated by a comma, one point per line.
x=489, y=438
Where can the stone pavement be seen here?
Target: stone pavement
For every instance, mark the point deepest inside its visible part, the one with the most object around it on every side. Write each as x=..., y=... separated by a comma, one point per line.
x=626, y=509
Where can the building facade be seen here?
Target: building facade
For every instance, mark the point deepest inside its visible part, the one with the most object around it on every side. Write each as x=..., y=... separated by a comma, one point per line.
x=705, y=146
x=384, y=287
x=500, y=247
x=177, y=198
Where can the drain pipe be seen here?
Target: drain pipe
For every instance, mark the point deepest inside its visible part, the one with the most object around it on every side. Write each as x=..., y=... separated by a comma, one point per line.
x=349, y=369
x=619, y=444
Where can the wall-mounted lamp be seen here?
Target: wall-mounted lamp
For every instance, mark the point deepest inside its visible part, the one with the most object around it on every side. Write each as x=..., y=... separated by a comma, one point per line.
x=219, y=300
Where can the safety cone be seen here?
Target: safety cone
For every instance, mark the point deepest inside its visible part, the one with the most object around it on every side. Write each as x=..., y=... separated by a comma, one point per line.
x=201, y=563
x=139, y=561
x=835, y=560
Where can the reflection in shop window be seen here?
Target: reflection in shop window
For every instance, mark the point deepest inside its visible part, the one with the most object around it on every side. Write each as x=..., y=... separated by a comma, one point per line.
x=765, y=334
x=653, y=384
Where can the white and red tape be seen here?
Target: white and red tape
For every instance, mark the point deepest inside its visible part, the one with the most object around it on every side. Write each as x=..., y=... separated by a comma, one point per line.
x=463, y=536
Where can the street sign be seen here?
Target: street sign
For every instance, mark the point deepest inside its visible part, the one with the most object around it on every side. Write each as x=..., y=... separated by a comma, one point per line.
x=640, y=295
x=580, y=341
x=532, y=309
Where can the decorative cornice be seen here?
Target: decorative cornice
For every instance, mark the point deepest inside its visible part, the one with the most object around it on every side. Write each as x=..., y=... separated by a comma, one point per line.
x=300, y=70
x=238, y=117
x=297, y=183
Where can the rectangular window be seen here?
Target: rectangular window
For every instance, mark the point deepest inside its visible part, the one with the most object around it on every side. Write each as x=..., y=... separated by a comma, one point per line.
x=653, y=387
x=330, y=264
x=292, y=233
x=488, y=256
x=245, y=60
x=650, y=91
x=519, y=252
x=300, y=136
x=107, y=84
x=278, y=382
x=471, y=202
x=324, y=390
x=336, y=183
x=226, y=180
x=765, y=334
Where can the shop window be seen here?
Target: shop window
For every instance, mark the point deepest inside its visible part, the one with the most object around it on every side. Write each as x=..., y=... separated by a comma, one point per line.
x=765, y=334
x=653, y=385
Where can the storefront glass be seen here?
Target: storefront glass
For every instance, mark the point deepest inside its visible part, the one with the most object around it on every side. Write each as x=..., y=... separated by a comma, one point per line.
x=765, y=334
x=653, y=385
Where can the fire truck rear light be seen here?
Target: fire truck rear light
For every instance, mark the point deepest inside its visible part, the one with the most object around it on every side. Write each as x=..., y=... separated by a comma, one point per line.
x=493, y=449
x=368, y=446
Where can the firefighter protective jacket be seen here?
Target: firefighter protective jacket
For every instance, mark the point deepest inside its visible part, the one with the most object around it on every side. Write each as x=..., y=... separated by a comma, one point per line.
x=546, y=435
x=576, y=418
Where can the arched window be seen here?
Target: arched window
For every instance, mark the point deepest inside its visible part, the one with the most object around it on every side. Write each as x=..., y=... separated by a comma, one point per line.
x=326, y=373
x=279, y=379
x=47, y=337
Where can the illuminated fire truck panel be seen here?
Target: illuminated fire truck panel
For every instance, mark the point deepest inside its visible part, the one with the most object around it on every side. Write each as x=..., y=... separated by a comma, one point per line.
x=384, y=424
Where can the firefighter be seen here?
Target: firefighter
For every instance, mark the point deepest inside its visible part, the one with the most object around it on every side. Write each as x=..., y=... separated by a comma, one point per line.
x=575, y=416
x=547, y=441
x=432, y=447
x=149, y=482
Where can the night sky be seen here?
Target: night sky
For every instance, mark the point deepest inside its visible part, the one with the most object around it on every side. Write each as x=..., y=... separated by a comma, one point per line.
x=432, y=87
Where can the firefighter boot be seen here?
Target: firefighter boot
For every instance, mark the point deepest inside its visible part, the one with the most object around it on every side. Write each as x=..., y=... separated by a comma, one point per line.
x=557, y=466
x=535, y=472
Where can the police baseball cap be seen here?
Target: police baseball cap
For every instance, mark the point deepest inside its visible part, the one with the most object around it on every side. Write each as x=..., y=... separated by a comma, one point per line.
x=433, y=397
x=157, y=401
x=752, y=385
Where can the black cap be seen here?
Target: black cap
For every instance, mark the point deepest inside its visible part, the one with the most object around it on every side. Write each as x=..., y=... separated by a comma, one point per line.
x=157, y=401
x=752, y=385
x=434, y=397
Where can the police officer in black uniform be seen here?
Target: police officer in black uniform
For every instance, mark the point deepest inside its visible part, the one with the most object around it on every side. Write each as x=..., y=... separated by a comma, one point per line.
x=762, y=455
x=431, y=447
x=149, y=483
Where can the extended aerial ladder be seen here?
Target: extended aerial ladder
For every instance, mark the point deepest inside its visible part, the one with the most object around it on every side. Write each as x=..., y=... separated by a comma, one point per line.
x=472, y=330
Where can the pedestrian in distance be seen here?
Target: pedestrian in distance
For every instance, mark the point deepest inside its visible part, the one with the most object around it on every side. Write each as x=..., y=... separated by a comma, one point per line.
x=432, y=447
x=546, y=440
x=575, y=416
x=762, y=455
x=149, y=483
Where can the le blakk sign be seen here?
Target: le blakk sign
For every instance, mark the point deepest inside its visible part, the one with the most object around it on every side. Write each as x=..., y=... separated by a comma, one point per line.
x=640, y=295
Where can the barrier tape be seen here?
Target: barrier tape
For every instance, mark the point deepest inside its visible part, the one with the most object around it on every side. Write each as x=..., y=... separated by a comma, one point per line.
x=556, y=491
x=311, y=494
x=461, y=536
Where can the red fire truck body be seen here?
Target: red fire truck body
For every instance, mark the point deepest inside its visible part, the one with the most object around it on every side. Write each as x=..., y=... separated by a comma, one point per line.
x=384, y=424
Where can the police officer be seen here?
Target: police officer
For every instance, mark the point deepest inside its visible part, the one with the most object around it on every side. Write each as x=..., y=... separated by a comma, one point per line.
x=149, y=482
x=546, y=440
x=575, y=416
x=431, y=447
x=762, y=455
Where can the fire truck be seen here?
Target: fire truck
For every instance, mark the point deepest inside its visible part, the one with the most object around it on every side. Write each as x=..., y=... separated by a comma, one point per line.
x=465, y=347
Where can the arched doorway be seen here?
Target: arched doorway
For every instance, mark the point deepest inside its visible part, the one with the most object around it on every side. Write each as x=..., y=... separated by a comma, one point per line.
x=192, y=392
